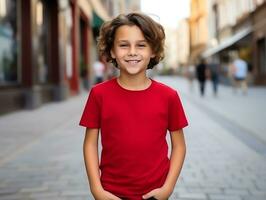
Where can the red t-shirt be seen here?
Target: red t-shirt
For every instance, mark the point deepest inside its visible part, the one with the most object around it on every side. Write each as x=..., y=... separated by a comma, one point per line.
x=133, y=127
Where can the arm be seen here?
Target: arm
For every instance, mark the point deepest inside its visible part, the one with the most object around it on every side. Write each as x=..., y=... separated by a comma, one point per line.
x=232, y=69
x=177, y=159
x=91, y=158
x=208, y=73
x=176, y=162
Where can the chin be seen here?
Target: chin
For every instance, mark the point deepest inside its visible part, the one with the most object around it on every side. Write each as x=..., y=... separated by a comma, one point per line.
x=133, y=73
x=134, y=70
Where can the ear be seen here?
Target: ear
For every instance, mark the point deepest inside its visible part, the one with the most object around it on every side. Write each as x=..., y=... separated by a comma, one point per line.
x=153, y=55
x=112, y=54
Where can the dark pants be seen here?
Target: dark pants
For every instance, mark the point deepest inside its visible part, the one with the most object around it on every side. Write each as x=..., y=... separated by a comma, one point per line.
x=215, y=82
x=98, y=79
x=202, y=87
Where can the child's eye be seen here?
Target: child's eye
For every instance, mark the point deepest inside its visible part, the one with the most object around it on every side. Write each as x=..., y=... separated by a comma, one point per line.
x=123, y=45
x=141, y=45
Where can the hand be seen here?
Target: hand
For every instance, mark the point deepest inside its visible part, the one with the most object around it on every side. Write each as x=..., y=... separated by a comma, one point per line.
x=104, y=195
x=159, y=194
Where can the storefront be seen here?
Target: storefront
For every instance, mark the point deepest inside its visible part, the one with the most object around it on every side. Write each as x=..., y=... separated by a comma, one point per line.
x=10, y=65
x=248, y=39
x=44, y=51
x=40, y=67
x=259, y=44
x=9, y=69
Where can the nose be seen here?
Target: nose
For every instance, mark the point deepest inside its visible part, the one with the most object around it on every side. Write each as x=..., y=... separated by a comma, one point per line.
x=132, y=51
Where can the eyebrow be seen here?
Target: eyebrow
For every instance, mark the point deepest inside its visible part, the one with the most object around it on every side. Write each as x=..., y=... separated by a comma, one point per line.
x=128, y=41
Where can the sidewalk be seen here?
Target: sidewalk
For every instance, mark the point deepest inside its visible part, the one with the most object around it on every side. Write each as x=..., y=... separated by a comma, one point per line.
x=248, y=112
x=220, y=165
x=41, y=152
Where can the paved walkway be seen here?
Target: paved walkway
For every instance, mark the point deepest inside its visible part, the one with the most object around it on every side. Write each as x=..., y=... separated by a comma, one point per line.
x=220, y=163
x=41, y=150
x=243, y=115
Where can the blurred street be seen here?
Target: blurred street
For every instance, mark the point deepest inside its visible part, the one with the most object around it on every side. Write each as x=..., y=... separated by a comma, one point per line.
x=41, y=149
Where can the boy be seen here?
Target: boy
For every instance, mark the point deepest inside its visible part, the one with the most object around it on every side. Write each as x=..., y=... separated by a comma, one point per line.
x=133, y=114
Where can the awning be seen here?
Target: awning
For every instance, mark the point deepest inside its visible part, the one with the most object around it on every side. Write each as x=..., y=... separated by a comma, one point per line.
x=97, y=21
x=228, y=42
x=99, y=14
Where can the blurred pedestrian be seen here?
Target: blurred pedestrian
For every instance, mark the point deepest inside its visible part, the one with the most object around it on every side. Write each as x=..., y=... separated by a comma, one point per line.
x=190, y=74
x=240, y=71
x=99, y=69
x=213, y=68
x=133, y=114
x=201, y=70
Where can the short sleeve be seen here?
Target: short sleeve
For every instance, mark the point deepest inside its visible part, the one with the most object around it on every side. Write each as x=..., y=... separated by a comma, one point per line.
x=91, y=113
x=176, y=115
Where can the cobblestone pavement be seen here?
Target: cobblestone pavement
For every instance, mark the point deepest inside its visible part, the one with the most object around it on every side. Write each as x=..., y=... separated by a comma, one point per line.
x=41, y=150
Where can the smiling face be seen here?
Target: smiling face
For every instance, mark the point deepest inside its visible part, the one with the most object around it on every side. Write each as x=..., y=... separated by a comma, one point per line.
x=131, y=50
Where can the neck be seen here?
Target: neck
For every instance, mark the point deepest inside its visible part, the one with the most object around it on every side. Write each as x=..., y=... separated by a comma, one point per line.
x=134, y=82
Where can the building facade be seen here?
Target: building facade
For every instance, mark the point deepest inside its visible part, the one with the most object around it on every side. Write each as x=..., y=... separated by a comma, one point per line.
x=183, y=42
x=44, y=51
x=47, y=48
x=259, y=43
x=242, y=31
x=115, y=7
x=198, y=29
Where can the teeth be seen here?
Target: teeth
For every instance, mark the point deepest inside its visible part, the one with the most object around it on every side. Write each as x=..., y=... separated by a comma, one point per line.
x=132, y=61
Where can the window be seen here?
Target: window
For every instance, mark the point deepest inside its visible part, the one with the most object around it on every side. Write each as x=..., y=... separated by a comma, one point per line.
x=41, y=31
x=262, y=56
x=9, y=42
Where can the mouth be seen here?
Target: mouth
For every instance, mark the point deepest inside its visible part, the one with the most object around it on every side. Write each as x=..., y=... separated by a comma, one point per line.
x=132, y=62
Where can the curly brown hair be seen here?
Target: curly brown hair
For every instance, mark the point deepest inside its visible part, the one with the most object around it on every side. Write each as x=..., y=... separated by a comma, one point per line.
x=153, y=32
